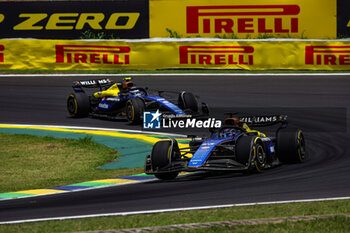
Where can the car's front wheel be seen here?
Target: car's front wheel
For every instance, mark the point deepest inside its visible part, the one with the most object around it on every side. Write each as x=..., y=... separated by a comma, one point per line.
x=162, y=154
x=134, y=110
x=188, y=101
x=250, y=152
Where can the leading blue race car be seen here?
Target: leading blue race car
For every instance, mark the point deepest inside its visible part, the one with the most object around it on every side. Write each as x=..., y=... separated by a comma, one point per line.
x=233, y=147
x=122, y=100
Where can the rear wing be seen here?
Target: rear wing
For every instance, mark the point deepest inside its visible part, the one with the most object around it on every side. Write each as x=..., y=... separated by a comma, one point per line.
x=263, y=120
x=95, y=83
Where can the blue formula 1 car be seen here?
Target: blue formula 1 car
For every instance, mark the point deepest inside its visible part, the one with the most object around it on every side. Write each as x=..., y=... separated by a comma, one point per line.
x=122, y=100
x=233, y=147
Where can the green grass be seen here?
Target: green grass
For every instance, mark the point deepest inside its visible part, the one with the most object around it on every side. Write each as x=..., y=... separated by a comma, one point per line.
x=339, y=224
x=336, y=224
x=31, y=162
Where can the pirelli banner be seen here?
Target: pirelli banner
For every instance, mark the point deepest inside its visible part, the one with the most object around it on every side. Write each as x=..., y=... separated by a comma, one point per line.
x=151, y=54
x=127, y=19
x=309, y=19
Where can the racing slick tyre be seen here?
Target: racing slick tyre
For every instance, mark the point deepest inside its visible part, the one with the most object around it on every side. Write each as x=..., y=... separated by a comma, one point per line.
x=250, y=151
x=290, y=145
x=78, y=105
x=161, y=156
x=188, y=101
x=134, y=111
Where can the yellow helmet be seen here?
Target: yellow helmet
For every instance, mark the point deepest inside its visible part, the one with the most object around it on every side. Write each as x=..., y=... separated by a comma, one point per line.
x=127, y=83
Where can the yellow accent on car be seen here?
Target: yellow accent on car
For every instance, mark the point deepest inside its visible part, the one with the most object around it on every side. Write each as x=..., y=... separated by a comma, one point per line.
x=249, y=130
x=257, y=167
x=299, y=149
x=169, y=151
x=111, y=91
x=129, y=103
x=75, y=104
x=255, y=152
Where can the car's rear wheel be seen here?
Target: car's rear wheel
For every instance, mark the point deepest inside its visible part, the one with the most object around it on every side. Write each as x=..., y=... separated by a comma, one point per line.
x=162, y=155
x=78, y=105
x=250, y=152
x=290, y=145
x=188, y=101
x=134, y=110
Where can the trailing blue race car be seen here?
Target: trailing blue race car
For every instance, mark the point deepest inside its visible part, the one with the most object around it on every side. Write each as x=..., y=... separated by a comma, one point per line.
x=122, y=100
x=233, y=147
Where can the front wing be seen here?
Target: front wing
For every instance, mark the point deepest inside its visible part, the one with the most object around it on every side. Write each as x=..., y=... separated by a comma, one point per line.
x=209, y=165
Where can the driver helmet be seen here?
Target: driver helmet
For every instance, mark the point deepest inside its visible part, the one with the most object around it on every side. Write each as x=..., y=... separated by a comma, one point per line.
x=229, y=132
x=232, y=121
x=127, y=83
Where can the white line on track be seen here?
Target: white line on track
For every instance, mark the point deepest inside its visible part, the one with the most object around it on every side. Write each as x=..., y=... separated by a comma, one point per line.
x=171, y=210
x=179, y=74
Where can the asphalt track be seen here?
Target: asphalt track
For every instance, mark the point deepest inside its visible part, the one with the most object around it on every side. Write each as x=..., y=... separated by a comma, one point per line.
x=318, y=104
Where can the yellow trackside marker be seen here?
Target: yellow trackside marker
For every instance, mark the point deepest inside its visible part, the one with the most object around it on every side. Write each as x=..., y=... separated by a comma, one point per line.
x=94, y=132
x=2, y=17
x=41, y=191
x=114, y=181
x=348, y=24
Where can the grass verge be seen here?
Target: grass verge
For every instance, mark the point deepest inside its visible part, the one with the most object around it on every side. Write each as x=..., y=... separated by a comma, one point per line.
x=338, y=224
x=31, y=162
